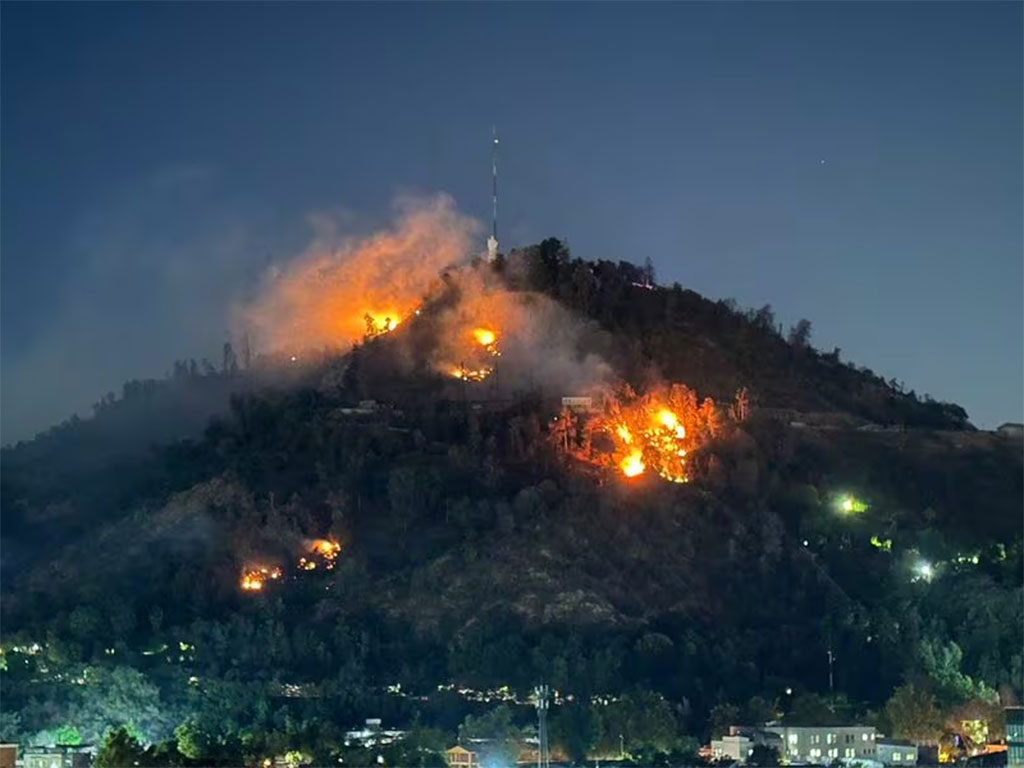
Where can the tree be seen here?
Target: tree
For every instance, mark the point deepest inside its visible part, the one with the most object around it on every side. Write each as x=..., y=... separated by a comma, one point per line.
x=119, y=750
x=721, y=717
x=577, y=729
x=912, y=714
x=759, y=711
x=800, y=334
x=119, y=697
x=810, y=709
x=497, y=728
x=763, y=755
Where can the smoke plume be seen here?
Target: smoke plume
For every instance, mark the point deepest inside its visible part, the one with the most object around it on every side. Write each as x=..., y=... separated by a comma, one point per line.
x=322, y=299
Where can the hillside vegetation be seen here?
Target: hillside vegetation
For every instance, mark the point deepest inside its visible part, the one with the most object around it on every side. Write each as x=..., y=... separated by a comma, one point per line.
x=478, y=553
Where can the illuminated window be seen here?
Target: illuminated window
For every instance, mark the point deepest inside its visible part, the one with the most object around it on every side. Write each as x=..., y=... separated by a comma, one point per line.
x=848, y=752
x=833, y=752
x=896, y=757
x=910, y=755
x=793, y=738
x=815, y=753
x=830, y=739
x=863, y=737
x=816, y=739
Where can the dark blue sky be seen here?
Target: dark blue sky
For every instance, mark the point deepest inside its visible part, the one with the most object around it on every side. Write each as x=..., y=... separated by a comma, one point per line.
x=858, y=164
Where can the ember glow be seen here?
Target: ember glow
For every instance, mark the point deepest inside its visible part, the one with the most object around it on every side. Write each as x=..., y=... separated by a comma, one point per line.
x=644, y=434
x=378, y=323
x=633, y=464
x=254, y=578
x=481, y=343
x=328, y=550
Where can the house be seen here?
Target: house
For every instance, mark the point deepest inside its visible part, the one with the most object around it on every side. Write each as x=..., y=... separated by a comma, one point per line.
x=8, y=755
x=1012, y=430
x=57, y=757
x=734, y=747
x=1014, y=737
x=371, y=735
x=896, y=751
x=578, y=404
x=739, y=743
x=821, y=744
x=460, y=757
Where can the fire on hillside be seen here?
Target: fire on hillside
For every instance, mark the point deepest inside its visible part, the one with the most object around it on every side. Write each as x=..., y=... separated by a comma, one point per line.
x=634, y=434
x=321, y=552
x=481, y=343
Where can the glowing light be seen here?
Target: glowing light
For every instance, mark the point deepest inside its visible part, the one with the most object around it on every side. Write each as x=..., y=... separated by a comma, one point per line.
x=848, y=504
x=633, y=464
x=924, y=571
x=378, y=323
x=472, y=374
x=252, y=582
x=484, y=336
x=631, y=434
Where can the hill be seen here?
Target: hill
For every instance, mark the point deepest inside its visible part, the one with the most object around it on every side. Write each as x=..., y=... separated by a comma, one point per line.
x=491, y=539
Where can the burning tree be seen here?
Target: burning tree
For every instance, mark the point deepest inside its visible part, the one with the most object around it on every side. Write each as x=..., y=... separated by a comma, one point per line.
x=634, y=434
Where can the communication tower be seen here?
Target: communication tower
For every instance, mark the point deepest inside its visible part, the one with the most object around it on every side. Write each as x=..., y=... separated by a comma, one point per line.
x=492, y=241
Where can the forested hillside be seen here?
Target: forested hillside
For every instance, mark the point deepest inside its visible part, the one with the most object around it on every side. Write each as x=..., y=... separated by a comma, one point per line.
x=182, y=582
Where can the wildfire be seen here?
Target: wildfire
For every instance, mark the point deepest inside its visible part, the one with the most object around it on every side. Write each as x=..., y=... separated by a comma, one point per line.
x=487, y=339
x=328, y=550
x=253, y=578
x=378, y=323
x=646, y=433
x=633, y=464
x=472, y=374
x=484, y=340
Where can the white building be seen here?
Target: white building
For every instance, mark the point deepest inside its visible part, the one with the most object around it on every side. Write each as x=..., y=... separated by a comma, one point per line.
x=821, y=744
x=739, y=743
x=736, y=748
x=896, y=752
x=372, y=735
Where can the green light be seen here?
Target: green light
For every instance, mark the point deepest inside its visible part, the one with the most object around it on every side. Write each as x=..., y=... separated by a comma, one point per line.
x=850, y=504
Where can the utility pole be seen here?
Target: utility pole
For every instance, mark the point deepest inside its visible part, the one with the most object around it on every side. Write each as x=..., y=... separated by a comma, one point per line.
x=831, y=683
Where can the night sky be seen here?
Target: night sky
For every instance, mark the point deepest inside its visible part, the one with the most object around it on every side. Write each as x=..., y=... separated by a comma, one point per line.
x=857, y=164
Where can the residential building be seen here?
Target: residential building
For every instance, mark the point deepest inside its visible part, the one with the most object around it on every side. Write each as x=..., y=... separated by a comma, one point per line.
x=56, y=757
x=8, y=755
x=735, y=747
x=1015, y=737
x=896, y=751
x=460, y=757
x=739, y=743
x=581, y=404
x=371, y=735
x=1009, y=429
x=821, y=744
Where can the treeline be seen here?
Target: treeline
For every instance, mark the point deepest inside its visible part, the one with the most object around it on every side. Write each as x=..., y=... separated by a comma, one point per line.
x=716, y=348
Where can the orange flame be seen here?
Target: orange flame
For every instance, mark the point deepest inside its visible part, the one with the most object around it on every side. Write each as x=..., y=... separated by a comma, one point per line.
x=484, y=336
x=647, y=433
x=633, y=464
x=342, y=290
x=253, y=578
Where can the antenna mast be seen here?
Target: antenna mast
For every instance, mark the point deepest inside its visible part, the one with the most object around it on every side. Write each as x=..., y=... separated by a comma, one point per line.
x=492, y=241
